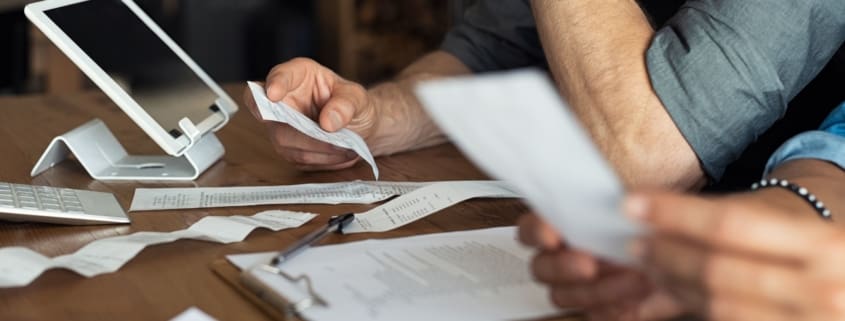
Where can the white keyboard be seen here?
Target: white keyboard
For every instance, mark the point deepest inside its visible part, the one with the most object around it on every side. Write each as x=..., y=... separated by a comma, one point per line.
x=58, y=205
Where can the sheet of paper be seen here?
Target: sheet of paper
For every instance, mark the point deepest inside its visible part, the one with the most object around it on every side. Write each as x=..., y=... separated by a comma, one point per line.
x=516, y=127
x=193, y=314
x=20, y=266
x=423, y=202
x=357, y=192
x=280, y=112
x=471, y=275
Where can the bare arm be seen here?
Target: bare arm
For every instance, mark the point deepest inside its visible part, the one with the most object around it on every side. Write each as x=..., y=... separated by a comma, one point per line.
x=596, y=51
x=403, y=124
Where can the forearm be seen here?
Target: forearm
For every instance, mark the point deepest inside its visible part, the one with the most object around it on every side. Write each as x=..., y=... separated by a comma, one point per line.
x=596, y=51
x=403, y=124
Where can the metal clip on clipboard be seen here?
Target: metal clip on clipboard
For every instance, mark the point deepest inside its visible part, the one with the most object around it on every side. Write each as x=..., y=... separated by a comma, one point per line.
x=292, y=307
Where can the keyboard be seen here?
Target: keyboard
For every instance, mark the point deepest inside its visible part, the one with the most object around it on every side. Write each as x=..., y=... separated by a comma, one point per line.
x=46, y=204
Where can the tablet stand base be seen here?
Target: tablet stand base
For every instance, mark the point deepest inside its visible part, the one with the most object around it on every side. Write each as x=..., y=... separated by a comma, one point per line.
x=99, y=152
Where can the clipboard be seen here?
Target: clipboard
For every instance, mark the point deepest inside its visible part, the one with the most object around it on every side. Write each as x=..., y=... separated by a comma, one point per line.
x=278, y=311
x=232, y=276
x=249, y=282
x=290, y=294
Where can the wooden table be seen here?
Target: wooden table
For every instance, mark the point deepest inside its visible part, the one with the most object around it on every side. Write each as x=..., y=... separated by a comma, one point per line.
x=165, y=280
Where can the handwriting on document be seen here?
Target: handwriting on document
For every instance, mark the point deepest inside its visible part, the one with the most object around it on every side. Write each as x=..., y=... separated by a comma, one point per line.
x=282, y=113
x=20, y=266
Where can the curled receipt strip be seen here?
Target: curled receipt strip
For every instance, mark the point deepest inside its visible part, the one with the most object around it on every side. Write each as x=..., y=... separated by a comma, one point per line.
x=282, y=113
x=356, y=192
x=20, y=266
x=425, y=201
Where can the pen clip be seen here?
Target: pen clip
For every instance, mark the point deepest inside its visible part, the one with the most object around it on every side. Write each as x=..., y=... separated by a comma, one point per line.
x=290, y=308
x=342, y=221
x=335, y=224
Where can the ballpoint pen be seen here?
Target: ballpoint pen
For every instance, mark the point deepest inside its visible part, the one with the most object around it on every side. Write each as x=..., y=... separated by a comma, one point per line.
x=268, y=294
x=335, y=224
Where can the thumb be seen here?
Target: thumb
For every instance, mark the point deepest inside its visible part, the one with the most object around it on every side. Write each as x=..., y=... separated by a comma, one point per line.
x=347, y=100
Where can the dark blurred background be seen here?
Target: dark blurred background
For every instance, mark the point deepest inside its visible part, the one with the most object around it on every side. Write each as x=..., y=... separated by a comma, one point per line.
x=363, y=40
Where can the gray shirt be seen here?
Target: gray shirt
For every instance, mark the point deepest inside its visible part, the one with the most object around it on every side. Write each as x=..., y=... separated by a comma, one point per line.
x=724, y=69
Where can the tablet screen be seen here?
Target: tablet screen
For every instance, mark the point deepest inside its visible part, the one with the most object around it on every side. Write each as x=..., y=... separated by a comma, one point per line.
x=141, y=63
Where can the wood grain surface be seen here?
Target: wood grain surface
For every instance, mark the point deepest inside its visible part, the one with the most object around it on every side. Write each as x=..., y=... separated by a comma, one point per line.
x=165, y=280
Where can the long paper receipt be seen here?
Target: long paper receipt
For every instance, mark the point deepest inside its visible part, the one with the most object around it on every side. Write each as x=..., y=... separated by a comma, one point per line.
x=516, y=127
x=471, y=275
x=20, y=266
x=281, y=112
x=356, y=192
x=423, y=202
x=417, y=200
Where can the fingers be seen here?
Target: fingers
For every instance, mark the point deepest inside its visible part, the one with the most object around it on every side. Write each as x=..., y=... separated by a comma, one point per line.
x=605, y=290
x=287, y=137
x=301, y=83
x=731, y=224
x=660, y=305
x=323, y=96
x=307, y=158
x=619, y=311
x=739, y=309
x=534, y=232
x=327, y=167
x=715, y=273
x=307, y=153
x=346, y=99
x=317, y=92
x=564, y=266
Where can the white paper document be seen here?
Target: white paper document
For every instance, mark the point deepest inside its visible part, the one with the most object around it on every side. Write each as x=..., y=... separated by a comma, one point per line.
x=20, y=266
x=516, y=127
x=356, y=192
x=193, y=314
x=471, y=275
x=423, y=202
x=282, y=113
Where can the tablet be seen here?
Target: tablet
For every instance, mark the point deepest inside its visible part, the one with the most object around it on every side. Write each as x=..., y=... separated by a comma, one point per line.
x=119, y=47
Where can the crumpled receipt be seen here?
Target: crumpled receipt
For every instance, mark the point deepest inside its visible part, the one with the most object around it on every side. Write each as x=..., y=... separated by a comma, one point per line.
x=19, y=266
x=282, y=113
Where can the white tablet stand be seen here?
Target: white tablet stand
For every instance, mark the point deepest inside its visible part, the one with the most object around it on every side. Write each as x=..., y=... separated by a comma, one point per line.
x=96, y=148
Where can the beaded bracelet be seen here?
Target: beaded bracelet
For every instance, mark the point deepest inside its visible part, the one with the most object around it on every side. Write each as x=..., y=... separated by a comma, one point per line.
x=800, y=191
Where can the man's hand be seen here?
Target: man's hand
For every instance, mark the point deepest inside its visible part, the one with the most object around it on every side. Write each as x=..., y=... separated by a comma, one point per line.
x=322, y=95
x=742, y=258
x=387, y=116
x=578, y=280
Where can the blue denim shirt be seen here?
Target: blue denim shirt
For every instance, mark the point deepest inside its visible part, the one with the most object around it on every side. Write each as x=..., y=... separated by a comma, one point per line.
x=827, y=143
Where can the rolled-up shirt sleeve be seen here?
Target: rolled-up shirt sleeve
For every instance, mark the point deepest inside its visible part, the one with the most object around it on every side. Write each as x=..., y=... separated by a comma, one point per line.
x=496, y=35
x=726, y=70
x=826, y=144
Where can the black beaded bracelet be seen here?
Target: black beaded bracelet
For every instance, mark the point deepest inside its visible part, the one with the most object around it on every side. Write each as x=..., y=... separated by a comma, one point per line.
x=800, y=191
